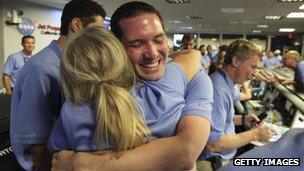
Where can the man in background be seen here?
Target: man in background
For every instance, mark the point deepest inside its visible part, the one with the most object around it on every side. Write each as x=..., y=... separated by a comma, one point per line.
x=15, y=62
x=38, y=95
x=188, y=41
x=203, y=50
x=240, y=63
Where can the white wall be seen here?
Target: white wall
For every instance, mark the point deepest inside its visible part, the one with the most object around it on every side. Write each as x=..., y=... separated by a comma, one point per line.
x=37, y=13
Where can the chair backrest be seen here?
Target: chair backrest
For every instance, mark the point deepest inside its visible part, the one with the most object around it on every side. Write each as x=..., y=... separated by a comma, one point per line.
x=5, y=108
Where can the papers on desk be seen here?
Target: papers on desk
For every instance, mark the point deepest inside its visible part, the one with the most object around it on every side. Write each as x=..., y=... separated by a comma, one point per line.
x=279, y=131
x=298, y=121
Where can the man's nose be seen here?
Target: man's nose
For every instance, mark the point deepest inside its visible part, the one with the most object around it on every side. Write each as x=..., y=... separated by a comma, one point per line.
x=151, y=50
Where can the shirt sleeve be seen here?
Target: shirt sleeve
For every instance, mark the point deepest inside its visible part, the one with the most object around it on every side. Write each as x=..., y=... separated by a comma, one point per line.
x=199, y=96
x=219, y=114
x=58, y=139
x=9, y=66
x=35, y=119
x=237, y=94
x=301, y=75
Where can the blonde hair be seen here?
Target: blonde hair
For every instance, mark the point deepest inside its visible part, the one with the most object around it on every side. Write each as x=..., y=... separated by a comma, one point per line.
x=294, y=55
x=95, y=70
x=242, y=49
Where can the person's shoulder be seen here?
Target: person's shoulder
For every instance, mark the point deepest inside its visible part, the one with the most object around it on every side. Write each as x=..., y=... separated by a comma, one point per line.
x=172, y=66
x=77, y=113
x=75, y=108
x=202, y=76
x=14, y=56
x=216, y=76
x=46, y=52
x=301, y=64
x=42, y=61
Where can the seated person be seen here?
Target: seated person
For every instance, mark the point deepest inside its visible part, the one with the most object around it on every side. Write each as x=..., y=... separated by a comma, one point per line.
x=243, y=92
x=240, y=63
x=220, y=56
x=271, y=62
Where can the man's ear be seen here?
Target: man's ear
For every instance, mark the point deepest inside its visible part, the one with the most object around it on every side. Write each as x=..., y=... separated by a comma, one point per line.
x=234, y=62
x=76, y=25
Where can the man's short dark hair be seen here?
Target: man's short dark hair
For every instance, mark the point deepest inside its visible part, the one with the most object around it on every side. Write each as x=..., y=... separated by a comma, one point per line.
x=85, y=10
x=201, y=46
x=27, y=37
x=188, y=37
x=128, y=10
x=223, y=48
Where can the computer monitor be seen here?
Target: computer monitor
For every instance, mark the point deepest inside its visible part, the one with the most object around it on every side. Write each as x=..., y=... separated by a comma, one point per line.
x=5, y=105
x=269, y=96
x=298, y=120
x=288, y=105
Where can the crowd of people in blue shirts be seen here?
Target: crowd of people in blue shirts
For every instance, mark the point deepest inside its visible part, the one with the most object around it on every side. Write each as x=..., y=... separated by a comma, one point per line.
x=96, y=99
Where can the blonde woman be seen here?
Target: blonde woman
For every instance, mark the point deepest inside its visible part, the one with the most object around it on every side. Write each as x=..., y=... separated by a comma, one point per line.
x=99, y=112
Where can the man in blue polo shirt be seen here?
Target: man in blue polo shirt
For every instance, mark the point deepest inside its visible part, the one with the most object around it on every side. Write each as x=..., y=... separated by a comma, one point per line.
x=182, y=131
x=15, y=62
x=38, y=96
x=240, y=63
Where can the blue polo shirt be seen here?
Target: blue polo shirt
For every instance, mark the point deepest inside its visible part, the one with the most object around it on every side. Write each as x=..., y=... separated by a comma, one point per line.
x=237, y=94
x=299, y=75
x=36, y=101
x=13, y=65
x=206, y=62
x=290, y=145
x=222, y=114
x=164, y=102
x=271, y=63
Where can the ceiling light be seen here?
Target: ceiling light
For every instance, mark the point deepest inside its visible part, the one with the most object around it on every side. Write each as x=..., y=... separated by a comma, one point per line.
x=233, y=22
x=262, y=26
x=249, y=22
x=232, y=10
x=257, y=31
x=272, y=17
x=290, y=0
x=287, y=30
x=194, y=16
x=301, y=7
x=174, y=21
x=295, y=15
x=177, y=1
x=187, y=28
